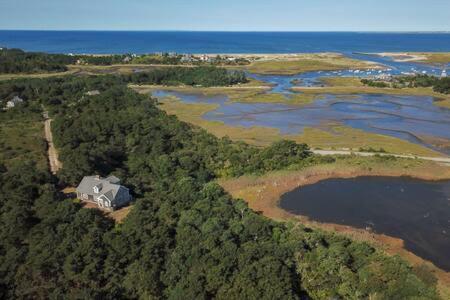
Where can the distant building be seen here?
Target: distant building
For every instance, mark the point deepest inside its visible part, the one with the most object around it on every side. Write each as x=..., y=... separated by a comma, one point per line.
x=14, y=102
x=105, y=192
x=204, y=57
x=444, y=73
x=187, y=58
x=383, y=77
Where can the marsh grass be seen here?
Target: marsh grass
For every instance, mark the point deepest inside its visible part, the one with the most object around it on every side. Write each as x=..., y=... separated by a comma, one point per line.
x=308, y=63
x=335, y=137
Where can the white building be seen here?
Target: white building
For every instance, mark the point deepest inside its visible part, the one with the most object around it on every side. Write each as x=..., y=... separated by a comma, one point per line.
x=105, y=192
x=14, y=102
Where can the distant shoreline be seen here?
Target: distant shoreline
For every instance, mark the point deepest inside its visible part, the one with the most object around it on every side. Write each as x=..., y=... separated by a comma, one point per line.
x=232, y=31
x=226, y=42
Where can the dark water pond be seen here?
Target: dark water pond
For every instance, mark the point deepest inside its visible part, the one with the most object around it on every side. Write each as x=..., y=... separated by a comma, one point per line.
x=416, y=211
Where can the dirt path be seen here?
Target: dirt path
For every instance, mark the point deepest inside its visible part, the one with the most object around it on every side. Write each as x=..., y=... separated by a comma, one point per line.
x=55, y=164
x=445, y=160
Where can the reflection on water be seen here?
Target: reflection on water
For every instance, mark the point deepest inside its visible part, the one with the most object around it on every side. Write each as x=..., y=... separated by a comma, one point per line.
x=412, y=118
x=416, y=211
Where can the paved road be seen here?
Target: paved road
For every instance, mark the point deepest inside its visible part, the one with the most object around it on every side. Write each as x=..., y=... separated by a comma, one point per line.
x=445, y=160
x=55, y=164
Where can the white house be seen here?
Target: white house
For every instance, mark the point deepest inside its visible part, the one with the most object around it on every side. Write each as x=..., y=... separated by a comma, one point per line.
x=105, y=192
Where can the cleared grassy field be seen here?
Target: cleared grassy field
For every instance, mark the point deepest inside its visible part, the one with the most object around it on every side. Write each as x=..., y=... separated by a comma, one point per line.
x=307, y=63
x=22, y=138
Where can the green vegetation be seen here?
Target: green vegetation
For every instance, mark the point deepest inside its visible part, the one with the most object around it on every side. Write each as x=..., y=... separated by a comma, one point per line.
x=341, y=81
x=102, y=60
x=21, y=136
x=202, y=76
x=185, y=237
x=159, y=59
x=352, y=85
x=374, y=83
x=439, y=85
x=373, y=150
x=18, y=61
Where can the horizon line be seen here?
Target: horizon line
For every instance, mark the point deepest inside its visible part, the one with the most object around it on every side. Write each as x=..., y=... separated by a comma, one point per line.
x=235, y=31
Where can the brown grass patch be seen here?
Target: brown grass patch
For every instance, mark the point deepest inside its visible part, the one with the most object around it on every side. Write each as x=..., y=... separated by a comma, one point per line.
x=118, y=215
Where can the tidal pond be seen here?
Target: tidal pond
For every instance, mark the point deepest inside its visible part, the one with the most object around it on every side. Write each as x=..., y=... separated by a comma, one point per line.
x=413, y=210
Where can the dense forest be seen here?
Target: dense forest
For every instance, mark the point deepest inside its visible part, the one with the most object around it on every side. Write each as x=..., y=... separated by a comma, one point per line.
x=185, y=237
x=439, y=85
x=18, y=61
x=107, y=60
x=204, y=76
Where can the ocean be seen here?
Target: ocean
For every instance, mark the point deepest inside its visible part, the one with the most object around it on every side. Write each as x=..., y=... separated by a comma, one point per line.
x=117, y=42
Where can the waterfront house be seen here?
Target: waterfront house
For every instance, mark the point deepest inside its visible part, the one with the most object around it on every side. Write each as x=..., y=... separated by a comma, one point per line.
x=13, y=102
x=106, y=192
x=204, y=58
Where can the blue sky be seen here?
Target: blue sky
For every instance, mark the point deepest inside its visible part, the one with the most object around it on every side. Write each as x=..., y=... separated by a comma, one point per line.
x=246, y=15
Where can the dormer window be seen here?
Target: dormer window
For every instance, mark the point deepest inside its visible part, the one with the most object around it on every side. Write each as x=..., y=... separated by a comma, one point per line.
x=97, y=188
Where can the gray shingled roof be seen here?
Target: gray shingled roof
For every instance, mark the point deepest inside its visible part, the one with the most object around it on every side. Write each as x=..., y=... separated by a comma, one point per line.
x=113, y=179
x=108, y=186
